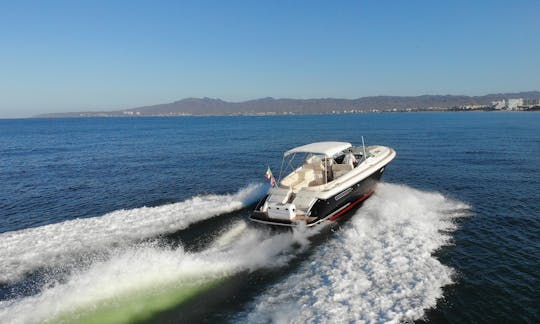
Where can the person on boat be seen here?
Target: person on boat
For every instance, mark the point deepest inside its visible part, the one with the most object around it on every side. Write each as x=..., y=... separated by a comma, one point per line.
x=350, y=159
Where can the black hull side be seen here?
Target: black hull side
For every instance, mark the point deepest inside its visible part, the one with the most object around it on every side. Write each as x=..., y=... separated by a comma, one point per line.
x=337, y=205
x=332, y=208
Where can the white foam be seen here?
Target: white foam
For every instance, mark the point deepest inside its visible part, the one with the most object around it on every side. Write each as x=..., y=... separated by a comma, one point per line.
x=231, y=234
x=143, y=268
x=59, y=244
x=378, y=268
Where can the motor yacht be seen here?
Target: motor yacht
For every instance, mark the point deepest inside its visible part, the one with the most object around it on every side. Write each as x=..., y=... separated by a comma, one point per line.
x=321, y=182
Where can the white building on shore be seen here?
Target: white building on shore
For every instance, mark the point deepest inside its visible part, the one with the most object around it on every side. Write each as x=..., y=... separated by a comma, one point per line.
x=498, y=105
x=515, y=104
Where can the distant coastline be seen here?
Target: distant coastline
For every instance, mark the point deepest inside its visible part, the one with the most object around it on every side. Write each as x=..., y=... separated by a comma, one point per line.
x=272, y=106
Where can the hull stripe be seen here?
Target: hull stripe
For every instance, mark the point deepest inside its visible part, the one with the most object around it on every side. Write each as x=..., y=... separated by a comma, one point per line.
x=364, y=197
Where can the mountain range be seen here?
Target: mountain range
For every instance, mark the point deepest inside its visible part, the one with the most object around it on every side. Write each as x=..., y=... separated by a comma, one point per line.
x=268, y=106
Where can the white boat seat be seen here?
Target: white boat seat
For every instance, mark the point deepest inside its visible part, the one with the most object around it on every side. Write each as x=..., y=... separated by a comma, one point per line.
x=318, y=178
x=300, y=179
x=305, y=177
x=314, y=163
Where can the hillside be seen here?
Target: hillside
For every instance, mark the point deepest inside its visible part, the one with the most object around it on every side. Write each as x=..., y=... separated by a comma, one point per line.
x=209, y=106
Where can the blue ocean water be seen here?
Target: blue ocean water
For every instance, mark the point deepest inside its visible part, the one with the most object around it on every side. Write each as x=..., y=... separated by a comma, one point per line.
x=72, y=179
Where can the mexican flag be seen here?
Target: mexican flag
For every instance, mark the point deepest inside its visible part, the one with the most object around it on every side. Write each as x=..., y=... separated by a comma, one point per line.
x=268, y=175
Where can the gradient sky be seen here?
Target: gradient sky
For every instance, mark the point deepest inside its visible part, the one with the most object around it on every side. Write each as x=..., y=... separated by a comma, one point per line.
x=102, y=55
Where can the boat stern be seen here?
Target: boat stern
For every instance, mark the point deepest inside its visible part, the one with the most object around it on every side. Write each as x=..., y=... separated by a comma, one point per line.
x=276, y=209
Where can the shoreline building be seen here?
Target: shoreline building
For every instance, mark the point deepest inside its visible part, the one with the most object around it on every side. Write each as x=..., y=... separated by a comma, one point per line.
x=498, y=105
x=515, y=104
x=529, y=103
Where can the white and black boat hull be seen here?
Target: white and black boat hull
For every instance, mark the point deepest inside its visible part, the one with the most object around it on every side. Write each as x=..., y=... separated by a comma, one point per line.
x=331, y=209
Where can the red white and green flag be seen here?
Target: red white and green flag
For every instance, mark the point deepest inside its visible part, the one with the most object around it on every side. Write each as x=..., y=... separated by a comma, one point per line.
x=268, y=175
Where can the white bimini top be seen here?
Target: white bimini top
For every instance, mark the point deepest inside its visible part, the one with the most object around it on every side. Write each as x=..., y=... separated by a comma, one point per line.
x=329, y=149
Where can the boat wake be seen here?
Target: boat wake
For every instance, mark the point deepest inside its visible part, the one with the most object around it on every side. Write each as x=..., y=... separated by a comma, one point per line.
x=378, y=268
x=142, y=280
x=65, y=243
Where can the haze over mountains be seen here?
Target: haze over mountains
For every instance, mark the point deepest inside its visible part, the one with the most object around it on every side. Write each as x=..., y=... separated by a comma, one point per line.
x=267, y=106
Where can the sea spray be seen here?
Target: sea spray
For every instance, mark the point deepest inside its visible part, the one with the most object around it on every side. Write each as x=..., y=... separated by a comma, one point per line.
x=63, y=243
x=380, y=267
x=153, y=277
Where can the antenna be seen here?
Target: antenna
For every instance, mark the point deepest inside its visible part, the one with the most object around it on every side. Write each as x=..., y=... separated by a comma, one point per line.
x=364, y=146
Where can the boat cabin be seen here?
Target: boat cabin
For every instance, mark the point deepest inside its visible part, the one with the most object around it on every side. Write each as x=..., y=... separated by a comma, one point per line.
x=321, y=163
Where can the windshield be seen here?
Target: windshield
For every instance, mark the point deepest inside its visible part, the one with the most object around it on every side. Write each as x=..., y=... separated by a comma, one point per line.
x=303, y=162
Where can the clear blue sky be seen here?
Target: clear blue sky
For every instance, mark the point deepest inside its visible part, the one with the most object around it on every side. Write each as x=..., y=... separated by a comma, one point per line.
x=93, y=55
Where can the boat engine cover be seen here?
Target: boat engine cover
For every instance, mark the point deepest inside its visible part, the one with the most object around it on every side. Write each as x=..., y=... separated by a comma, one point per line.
x=281, y=211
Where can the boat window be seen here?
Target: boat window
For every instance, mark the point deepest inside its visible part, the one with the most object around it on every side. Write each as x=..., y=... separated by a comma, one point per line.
x=339, y=158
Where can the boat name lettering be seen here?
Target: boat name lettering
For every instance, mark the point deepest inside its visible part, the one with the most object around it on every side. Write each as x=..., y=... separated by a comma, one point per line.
x=343, y=193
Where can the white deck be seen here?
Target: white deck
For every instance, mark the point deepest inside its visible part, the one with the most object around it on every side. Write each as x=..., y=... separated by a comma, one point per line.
x=317, y=178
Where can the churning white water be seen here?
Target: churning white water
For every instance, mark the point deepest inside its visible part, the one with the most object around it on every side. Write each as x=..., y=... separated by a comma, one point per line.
x=147, y=267
x=62, y=243
x=378, y=268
